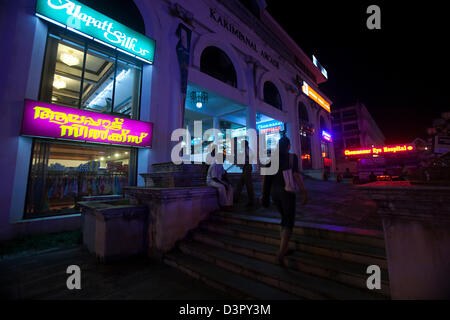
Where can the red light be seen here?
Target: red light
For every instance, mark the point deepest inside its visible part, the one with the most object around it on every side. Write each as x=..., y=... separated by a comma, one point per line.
x=379, y=150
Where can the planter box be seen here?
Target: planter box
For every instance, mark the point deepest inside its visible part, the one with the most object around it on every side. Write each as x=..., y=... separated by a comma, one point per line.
x=113, y=230
x=416, y=223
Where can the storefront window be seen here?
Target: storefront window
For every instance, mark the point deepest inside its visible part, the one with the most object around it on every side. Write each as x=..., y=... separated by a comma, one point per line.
x=82, y=74
x=305, y=140
x=306, y=152
x=62, y=174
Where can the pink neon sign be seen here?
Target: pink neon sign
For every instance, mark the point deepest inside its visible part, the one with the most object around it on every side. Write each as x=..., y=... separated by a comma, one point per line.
x=42, y=119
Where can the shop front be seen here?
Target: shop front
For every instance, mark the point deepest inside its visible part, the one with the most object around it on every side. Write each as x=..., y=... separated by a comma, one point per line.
x=84, y=127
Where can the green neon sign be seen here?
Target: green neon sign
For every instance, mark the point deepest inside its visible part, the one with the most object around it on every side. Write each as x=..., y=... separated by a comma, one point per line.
x=79, y=18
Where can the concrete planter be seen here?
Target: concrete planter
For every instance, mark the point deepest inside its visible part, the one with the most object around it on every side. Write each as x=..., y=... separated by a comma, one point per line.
x=113, y=230
x=173, y=212
x=416, y=223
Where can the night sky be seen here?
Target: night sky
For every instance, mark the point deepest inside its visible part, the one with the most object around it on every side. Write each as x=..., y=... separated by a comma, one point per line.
x=397, y=72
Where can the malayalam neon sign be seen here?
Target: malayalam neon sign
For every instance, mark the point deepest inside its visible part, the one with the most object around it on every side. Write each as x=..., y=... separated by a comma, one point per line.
x=270, y=126
x=52, y=121
x=315, y=96
x=83, y=20
x=379, y=150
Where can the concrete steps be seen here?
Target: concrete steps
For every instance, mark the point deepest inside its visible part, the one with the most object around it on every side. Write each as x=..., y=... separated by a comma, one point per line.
x=228, y=251
x=239, y=286
x=352, y=252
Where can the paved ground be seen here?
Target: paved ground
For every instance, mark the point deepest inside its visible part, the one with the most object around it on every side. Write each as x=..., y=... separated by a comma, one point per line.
x=329, y=203
x=43, y=276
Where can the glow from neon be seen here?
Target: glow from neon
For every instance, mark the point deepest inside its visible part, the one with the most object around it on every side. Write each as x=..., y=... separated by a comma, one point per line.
x=326, y=136
x=380, y=150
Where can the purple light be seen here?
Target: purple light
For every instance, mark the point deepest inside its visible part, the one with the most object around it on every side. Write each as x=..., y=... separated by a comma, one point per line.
x=42, y=119
x=326, y=136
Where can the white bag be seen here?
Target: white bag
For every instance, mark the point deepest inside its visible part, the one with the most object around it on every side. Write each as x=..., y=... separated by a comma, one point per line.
x=289, y=182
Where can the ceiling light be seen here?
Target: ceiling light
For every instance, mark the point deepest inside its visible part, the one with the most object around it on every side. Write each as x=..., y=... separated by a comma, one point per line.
x=199, y=98
x=116, y=155
x=59, y=83
x=102, y=158
x=69, y=58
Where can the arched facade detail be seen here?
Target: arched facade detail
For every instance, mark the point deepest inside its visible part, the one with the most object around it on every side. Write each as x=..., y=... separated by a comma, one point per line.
x=265, y=77
x=210, y=40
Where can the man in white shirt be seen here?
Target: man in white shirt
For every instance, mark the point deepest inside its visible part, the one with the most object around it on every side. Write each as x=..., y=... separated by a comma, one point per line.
x=216, y=178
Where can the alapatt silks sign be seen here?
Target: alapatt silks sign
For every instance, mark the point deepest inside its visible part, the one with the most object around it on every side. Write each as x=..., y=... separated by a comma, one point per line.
x=92, y=24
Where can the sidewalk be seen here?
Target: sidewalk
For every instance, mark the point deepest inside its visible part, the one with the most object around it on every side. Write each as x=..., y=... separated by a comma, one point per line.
x=328, y=203
x=43, y=276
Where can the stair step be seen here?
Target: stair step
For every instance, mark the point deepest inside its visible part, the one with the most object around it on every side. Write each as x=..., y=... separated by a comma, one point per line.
x=370, y=237
x=224, y=280
x=298, y=283
x=339, y=250
x=349, y=273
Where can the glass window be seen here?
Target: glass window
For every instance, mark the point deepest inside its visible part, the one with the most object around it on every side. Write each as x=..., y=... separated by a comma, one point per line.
x=306, y=152
x=82, y=74
x=349, y=127
x=272, y=95
x=217, y=64
x=62, y=174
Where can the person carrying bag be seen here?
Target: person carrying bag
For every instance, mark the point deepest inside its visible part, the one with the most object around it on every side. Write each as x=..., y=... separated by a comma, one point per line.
x=283, y=187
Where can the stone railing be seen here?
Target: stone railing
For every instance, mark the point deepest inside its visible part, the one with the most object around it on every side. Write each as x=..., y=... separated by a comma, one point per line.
x=416, y=223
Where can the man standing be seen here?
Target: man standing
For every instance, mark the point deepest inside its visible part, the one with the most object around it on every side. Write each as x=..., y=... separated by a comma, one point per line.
x=246, y=177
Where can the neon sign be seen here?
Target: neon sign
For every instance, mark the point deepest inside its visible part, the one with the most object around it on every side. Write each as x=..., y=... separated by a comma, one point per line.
x=52, y=121
x=270, y=126
x=315, y=96
x=379, y=150
x=326, y=136
x=87, y=22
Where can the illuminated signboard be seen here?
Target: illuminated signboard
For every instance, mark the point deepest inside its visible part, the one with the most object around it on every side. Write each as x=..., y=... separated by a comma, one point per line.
x=83, y=20
x=320, y=67
x=379, y=150
x=315, y=96
x=270, y=126
x=52, y=121
x=326, y=136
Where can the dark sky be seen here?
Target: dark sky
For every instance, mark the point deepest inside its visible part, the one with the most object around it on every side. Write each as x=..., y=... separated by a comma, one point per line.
x=398, y=71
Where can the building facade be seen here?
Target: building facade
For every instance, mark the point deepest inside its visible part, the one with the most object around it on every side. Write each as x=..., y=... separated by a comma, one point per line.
x=225, y=63
x=353, y=128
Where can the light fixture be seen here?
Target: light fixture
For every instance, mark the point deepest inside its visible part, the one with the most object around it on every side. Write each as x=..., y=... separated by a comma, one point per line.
x=199, y=98
x=102, y=158
x=54, y=98
x=59, y=83
x=116, y=155
x=69, y=59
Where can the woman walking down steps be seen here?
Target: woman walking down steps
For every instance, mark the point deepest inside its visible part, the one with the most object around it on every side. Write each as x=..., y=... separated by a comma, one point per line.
x=274, y=186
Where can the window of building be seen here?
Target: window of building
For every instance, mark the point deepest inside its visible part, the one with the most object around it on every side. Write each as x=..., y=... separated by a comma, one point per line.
x=350, y=113
x=61, y=174
x=81, y=74
x=272, y=95
x=352, y=143
x=350, y=127
x=217, y=64
x=302, y=113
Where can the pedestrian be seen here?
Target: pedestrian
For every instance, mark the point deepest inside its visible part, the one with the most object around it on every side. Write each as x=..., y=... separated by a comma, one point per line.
x=372, y=177
x=274, y=186
x=246, y=178
x=217, y=178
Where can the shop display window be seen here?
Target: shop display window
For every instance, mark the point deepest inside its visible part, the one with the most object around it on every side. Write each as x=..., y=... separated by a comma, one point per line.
x=83, y=74
x=61, y=174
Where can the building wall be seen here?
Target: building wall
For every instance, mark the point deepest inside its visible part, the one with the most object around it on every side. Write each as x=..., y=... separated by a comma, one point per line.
x=365, y=134
x=162, y=103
